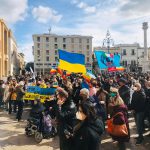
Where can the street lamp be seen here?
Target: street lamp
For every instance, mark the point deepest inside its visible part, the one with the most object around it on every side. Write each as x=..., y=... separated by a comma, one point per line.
x=108, y=41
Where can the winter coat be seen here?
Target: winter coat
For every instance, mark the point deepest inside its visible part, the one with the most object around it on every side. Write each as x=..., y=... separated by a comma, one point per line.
x=6, y=96
x=65, y=119
x=124, y=93
x=20, y=93
x=88, y=136
x=118, y=120
x=138, y=102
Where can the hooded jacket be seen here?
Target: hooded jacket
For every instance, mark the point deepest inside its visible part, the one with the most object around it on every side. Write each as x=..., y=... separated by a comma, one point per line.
x=87, y=137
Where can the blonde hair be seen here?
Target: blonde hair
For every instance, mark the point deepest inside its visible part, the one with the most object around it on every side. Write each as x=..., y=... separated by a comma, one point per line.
x=118, y=100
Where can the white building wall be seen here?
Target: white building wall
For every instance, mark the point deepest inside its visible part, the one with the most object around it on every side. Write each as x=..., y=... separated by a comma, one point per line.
x=72, y=43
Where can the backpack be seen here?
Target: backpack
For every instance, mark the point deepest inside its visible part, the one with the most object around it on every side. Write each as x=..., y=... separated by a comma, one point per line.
x=47, y=123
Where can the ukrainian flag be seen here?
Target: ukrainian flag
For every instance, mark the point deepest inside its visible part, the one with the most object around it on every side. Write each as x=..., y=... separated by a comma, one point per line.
x=72, y=62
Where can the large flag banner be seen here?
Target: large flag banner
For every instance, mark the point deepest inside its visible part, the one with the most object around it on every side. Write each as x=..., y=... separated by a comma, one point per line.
x=72, y=62
x=106, y=60
x=43, y=93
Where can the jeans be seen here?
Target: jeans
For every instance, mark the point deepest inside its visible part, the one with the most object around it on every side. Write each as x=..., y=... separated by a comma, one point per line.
x=139, y=119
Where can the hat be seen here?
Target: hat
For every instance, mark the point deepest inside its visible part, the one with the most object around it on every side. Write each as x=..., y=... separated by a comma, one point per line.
x=122, y=80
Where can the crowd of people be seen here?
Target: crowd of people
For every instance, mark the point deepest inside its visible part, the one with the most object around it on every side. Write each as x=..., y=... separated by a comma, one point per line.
x=80, y=108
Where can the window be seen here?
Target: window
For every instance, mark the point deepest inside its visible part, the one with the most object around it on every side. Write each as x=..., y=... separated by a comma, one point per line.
x=133, y=62
x=55, y=39
x=87, y=59
x=88, y=40
x=64, y=40
x=72, y=46
x=56, y=46
x=55, y=52
x=38, y=45
x=124, y=63
x=80, y=47
x=47, y=52
x=47, y=45
x=80, y=40
x=132, y=52
x=47, y=58
x=72, y=40
x=38, y=52
x=47, y=39
x=38, y=39
x=87, y=46
x=38, y=59
x=88, y=53
x=56, y=59
x=64, y=46
x=124, y=52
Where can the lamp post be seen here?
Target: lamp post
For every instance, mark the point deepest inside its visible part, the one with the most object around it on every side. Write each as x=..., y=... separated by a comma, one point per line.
x=108, y=41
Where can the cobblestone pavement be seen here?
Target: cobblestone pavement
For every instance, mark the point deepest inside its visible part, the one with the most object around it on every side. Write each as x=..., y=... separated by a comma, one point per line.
x=12, y=137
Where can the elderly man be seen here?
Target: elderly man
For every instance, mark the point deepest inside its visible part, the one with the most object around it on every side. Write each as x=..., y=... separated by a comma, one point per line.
x=138, y=105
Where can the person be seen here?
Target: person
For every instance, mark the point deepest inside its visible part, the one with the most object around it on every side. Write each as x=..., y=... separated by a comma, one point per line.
x=20, y=93
x=117, y=105
x=6, y=96
x=138, y=106
x=87, y=133
x=1, y=92
x=13, y=96
x=124, y=91
x=65, y=116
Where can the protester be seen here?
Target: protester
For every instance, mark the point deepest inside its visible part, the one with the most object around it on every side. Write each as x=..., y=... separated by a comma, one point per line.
x=20, y=93
x=87, y=133
x=124, y=91
x=65, y=114
x=117, y=105
x=138, y=106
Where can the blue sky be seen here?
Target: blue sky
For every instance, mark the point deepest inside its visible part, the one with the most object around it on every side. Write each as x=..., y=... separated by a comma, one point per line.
x=86, y=17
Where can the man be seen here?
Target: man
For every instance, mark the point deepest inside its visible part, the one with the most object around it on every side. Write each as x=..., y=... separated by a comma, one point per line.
x=65, y=114
x=124, y=91
x=13, y=96
x=138, y=105
x=1, y=92
x=20, y=93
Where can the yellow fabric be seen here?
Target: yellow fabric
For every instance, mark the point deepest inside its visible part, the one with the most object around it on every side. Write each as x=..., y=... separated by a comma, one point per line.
x=43, y=85
x=76, y=68
x=14, y=96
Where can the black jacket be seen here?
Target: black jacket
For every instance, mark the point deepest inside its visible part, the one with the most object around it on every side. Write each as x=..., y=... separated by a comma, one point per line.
x=65, y=118
x=87, y=137
x=138, y=101
x=124, y=93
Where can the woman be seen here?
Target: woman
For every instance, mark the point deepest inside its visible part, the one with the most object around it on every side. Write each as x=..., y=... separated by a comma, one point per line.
x=117, y=105
x=88, y=131
x=65, y=115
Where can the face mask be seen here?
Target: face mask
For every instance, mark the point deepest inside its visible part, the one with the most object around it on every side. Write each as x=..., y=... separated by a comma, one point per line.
x=80, y=116
x=113, y=94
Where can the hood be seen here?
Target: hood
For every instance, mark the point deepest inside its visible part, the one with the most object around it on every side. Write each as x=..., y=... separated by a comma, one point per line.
x=97, y=126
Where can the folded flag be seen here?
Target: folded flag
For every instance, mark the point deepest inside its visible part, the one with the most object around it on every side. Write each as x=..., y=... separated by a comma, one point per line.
x=53, y=71
x=120, y=68
x=72, y=62
x=88, y=76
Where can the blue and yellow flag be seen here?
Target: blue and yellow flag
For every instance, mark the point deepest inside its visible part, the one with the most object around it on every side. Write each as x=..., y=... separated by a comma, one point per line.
x=72, y=62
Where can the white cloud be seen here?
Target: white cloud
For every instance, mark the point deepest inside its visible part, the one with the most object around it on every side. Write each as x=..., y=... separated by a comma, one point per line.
x=13, y=10
x=26, y=49
x=46, y=14
x=87, y=8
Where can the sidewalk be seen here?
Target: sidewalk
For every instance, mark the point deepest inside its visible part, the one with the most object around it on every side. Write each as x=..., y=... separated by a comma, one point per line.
x=12, y=137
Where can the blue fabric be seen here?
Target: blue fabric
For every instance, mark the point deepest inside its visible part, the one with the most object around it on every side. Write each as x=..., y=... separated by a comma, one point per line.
x=105, y=62
x=72, y=58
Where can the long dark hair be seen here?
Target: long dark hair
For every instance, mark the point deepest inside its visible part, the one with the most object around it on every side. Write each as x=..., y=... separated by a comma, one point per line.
x=89, y=110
